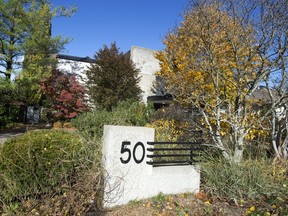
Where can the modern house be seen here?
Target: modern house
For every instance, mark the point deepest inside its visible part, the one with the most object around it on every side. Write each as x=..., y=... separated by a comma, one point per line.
x=74, y=65
x=143, y=59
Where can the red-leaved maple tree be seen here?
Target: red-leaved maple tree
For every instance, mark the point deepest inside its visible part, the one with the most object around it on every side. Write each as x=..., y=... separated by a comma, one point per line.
x=66, y=95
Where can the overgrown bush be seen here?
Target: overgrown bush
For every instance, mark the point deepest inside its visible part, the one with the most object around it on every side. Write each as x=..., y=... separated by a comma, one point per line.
x=249, y=180
x=40, y=162
x=176, y=123
x=166, y=130
x=127, y=113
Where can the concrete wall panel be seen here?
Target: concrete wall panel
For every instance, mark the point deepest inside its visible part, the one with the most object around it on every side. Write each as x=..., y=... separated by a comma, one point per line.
x=131, y=180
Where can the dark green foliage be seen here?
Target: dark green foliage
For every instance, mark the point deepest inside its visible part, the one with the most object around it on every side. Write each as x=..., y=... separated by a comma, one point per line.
x=38, y=161
x=112, y=78
x=127, y=113
x=7, y=91
x=8, y=97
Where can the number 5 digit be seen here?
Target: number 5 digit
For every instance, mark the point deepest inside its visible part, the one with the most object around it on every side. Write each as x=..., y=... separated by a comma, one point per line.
x=127, y=150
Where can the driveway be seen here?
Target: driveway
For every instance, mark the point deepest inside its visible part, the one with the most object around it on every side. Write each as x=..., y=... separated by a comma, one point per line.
x=10, y=133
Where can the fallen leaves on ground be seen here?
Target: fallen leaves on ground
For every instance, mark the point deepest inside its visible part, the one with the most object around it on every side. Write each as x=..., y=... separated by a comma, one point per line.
x=197, y=204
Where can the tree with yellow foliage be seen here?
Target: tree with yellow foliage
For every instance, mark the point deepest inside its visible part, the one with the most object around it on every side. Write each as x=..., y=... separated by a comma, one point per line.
x=212, y=62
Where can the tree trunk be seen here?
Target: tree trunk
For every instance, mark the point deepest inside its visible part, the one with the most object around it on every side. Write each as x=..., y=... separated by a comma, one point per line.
x=8, y=70
x=238, y=151
x=273, y=134
x=284, y=147
x=238, y=155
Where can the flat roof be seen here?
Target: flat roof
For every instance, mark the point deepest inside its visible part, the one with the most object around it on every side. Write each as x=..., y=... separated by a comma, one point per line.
x=76, y=58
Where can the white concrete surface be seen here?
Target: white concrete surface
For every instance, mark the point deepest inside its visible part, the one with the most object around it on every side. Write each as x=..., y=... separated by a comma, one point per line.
x=133, y=181
x=144, y=60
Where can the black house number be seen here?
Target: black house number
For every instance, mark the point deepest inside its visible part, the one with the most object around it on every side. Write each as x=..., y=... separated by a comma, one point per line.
x=125, y=150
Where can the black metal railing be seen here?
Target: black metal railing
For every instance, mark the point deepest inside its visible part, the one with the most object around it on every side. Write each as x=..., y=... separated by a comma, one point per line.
x=174, y=153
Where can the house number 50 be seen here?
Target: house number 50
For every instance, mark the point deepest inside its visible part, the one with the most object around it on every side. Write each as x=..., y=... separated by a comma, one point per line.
x=125, y=150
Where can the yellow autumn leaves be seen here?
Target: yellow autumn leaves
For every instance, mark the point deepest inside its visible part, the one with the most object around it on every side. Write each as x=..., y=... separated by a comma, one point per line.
x=209, y=62
x=207, y=56
x=167, y=129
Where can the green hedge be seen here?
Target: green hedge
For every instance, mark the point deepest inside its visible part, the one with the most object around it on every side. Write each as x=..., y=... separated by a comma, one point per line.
x=38, y=161
x=127, y=113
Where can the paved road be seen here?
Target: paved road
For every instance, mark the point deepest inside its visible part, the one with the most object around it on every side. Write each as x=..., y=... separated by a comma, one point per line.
x=7, y=134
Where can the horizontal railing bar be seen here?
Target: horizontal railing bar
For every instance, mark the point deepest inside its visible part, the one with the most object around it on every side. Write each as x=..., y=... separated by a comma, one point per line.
x=191, y=147
x=173, y=149
x=169, y=162
x=171, y=155
x=174, y=164
x=171, y=143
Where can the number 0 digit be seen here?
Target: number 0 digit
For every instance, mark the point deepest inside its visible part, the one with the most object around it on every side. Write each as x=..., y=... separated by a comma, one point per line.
x=134, y=152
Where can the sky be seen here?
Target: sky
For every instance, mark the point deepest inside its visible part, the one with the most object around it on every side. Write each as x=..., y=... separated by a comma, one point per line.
x=129, y=23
